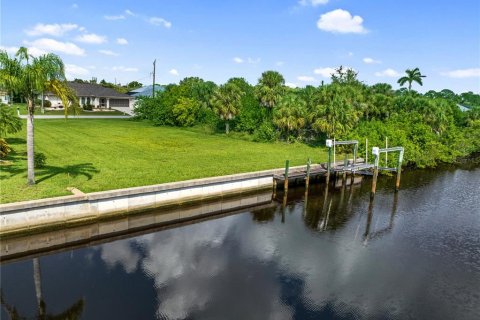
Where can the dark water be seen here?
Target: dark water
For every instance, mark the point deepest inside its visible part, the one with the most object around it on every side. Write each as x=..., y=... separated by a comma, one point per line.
x=411, y=256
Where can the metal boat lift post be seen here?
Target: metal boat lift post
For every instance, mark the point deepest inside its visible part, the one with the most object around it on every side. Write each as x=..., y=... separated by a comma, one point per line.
x=376, y=153
x=333, y=143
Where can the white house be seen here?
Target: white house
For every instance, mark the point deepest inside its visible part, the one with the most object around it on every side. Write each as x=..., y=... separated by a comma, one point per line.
x=97, y=96
x=4, y=97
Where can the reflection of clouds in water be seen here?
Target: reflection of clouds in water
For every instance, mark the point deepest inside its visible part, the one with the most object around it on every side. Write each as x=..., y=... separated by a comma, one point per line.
x=232, y=262
x=122, y=253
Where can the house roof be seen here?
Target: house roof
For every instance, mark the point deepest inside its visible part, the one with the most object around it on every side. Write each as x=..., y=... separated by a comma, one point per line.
x=463, y=107
x=145, y=91
x=95, y=90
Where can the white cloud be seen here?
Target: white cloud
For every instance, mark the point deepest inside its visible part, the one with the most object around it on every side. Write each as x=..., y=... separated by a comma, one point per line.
x=119, y=17
x=125, y=69
x=173, y=72
x=341, y=21
x=108, y=52
x=130, y=13
x=462, y=73
x=238, y=60
x=312, y=3
x=371, y=61
x=387, y=73
x=9, y=50
x=73, y=71
x=51, y=45
x=324, y=72
x=91, y=38
x=36, y=52
x=156, y=21
x=305, y=78
x=279, y=63
x=291, y=84
x=253, y=61
x=122, y=41
x=56, y=29
x=248, y=60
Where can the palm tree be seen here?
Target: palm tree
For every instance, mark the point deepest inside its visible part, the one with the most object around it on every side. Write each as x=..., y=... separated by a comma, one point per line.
x=29, y=76
x=412, y=76
x=290, y=114
x=335, y=113
x=270, y=88
x=226, y=102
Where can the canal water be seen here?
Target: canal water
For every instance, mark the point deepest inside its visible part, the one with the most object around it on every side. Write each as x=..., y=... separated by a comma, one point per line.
x=322, y=255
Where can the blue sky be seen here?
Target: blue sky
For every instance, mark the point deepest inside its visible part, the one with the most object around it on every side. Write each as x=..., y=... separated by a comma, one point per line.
x=217, y=40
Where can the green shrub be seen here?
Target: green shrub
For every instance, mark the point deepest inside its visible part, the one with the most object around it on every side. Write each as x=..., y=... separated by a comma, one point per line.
x=47, y=104
x=185, y=112
x=4, y=148
x=40, y=160
x=88, y=107
x=266, y=133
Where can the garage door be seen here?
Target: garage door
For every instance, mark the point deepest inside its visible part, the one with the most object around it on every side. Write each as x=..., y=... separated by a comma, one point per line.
x=119, y=103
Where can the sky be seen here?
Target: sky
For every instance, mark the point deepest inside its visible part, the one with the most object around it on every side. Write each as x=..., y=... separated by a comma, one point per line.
x=216, y=40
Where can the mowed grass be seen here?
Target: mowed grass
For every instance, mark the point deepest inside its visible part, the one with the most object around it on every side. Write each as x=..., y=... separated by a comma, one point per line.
x=104, y=154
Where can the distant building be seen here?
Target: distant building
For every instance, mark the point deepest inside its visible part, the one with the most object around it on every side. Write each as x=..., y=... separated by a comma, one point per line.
x=463, y=108
x=4, y=97
x=145, y=91
x=97, y=96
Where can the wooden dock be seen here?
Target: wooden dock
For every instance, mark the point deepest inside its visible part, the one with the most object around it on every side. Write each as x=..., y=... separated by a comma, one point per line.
x=320, y=170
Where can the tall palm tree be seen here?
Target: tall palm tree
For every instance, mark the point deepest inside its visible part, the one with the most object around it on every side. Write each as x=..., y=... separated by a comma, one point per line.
x=29, y=76
x=270, y=88
x=290, y=114
x=226, y=102
x=412, y=76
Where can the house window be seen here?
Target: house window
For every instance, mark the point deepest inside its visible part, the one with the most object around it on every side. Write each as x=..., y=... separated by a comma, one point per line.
x=88, y=100
x=82, y=99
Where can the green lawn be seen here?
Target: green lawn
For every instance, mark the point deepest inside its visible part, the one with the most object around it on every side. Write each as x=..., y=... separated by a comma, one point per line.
x=101, y=154
x=60, y=112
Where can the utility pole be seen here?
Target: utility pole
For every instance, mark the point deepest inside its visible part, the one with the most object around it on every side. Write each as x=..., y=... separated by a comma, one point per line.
x=153, y=89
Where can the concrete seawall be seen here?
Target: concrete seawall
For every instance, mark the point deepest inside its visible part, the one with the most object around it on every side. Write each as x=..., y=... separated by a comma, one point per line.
x=99, y=232
x=40, y=215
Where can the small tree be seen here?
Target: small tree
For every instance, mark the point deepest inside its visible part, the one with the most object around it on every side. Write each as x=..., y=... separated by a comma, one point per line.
x=226, y=102
x=28, y=77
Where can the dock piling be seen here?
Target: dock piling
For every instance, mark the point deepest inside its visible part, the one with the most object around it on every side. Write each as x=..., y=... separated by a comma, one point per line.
x=287, y=167
x=307, y=178
x=399, y=170
x=376, y=154
x=329, y=144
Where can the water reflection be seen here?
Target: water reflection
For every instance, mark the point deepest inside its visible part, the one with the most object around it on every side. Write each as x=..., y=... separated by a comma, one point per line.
x=71, y=313
x=305, y=257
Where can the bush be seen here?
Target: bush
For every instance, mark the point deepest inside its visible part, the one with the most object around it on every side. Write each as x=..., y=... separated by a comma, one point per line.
x=47, y=104
x=185, y=112
x=40, y=160
x=88, y=107
x=4, y=148
x=266, y=133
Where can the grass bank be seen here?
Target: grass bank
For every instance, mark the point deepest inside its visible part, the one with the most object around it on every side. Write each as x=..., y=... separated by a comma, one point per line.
x=103, y=154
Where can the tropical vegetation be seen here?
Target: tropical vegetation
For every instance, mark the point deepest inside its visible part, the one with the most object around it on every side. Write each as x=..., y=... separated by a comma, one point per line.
x=430, y=126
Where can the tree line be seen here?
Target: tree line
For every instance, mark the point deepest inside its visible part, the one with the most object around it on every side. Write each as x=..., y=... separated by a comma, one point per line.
x=430, y=126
